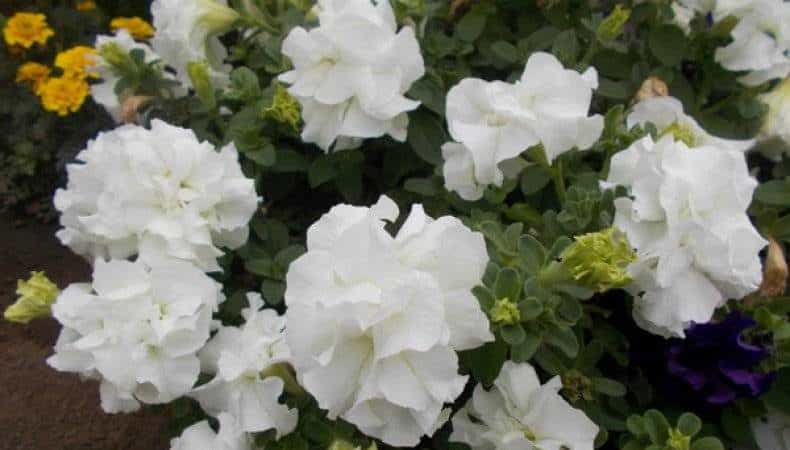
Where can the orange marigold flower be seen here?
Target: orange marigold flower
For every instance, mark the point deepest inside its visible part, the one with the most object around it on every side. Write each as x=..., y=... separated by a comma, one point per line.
x=63, y=95
x=26, y=29
x=77, y=61
x=137, y=27
x=34, y=74
x=86, y=5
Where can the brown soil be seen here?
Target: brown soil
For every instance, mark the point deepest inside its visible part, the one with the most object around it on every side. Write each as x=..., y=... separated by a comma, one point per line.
x=41, y=409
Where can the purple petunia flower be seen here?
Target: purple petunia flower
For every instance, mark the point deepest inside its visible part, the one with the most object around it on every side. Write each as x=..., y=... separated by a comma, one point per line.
x=716, y=362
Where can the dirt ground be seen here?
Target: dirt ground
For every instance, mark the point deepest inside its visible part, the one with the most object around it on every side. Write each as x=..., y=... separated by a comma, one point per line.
x=41, y=409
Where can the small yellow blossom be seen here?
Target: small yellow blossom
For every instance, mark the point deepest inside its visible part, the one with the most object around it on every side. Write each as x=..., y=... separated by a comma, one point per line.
x=34, y=74
x=137, y=27
x=284, y=108
x=36, y=296
x=64, y=95
x=77, y=61
x=599, y=260
x=86, y=5
x=506, y=312
x=26, y=29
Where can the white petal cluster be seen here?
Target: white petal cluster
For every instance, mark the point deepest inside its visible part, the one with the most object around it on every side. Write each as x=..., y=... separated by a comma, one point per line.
x=103, y=92
x=160, y=193
x=187, y=30
x=686, y=217
x=200, y=436
x=137, y=330
x=777, y=120
x=760, y=41
x=519, y=413
x=374, y=321
x=492, y=122
x=772, y=432
x=238, y=359
x=666, y=113
x=351, y=72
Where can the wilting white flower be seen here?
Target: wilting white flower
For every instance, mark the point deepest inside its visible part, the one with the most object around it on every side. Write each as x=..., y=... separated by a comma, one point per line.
x=160, y=193
x=666, y=113
x=239, y=357
x=493, y=122
x=761, y=39
x=187, y=30
x=686, y=217
x=200, y=436
x=374, y=321
x=772, y=432
x=137, y=330
x=777, y=120
x=519, y=413
x=351, y=73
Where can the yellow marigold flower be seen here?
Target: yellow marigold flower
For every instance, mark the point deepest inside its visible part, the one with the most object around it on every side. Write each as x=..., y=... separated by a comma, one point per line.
x=36, y=296
x=26, y=29
x=137, y=27
x=64, y=95
x=86, y=5
x=77, y=61
x=34, y=74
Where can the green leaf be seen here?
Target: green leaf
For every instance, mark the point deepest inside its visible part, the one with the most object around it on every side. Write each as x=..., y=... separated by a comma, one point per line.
x=260, y=266
x=486, y=361
x=426, y=136
x=775, y=192
x=707, y=443
x=530, y=308
x=533, y=179
x=779, y=394
x=506, y=51
x=321, y=170
x=513, y=334
x=290, y=161
x=285, y=256
x=616, y=90
x=689, y=424
x=508, y=285
x=563, y=339
x=422, y=186
x=656, y=426
x=566, y=48
x=524, y=351
x=636, y=425
x=484, y=296
x=272, y=291
x=668, y=44
x=471, y=25
x=570, y=309
x=532, y=253
x=609, y=387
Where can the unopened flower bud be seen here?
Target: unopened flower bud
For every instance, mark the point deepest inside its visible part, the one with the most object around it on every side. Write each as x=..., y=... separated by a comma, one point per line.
x=599, y=260
x=651, y=87
x=36, y=296
x=201, y=81
x=131, y=106
x=612, y=26
x=775, y=271
x=216, y=17
x=505, y=312
x=114, y=55
x=284, y=108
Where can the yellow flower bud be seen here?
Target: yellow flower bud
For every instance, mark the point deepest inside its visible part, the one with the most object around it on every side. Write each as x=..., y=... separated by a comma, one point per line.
x=612, y=26
x=284, y=108
x=505, y=312
x=36, y=296
x=599, y=260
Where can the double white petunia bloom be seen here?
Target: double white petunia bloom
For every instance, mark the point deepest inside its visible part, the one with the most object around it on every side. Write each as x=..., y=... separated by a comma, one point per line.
x=493, y=122
x=158, y=192
x=350, y=91
x=519, y=413
x=137, y=330
x=200, y=436
x=686, y=217
x=374, y=321
x=239, y=358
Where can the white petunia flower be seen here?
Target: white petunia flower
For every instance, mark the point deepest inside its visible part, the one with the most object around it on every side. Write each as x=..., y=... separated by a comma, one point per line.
x=666, y=113
x=772, y=432
x=160, y=193
x=686, y=217
x=374, y=321
x=351, y=73
x=760, y=41
x=519, y=413
x=777, y=120
x=137, y=330
x=187, y=30
x=239, y=357
x=493, y=122
x=200, y=436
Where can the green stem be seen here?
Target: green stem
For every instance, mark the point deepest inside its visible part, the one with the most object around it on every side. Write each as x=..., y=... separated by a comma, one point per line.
x=588, y=55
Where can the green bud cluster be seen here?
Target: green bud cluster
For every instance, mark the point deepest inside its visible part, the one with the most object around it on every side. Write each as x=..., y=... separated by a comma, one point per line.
x=599, y=260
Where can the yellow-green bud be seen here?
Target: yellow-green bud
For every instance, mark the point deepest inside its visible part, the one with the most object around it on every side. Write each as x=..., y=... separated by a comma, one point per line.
x=201, y=81
x=215, y=17
x=505, y=312
x=117, y=57
x=342, y=444
x=36, y=296
x=681, y=133
x=678, y=440
x=284, y=108
x=599, y=260
x=612, y=26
